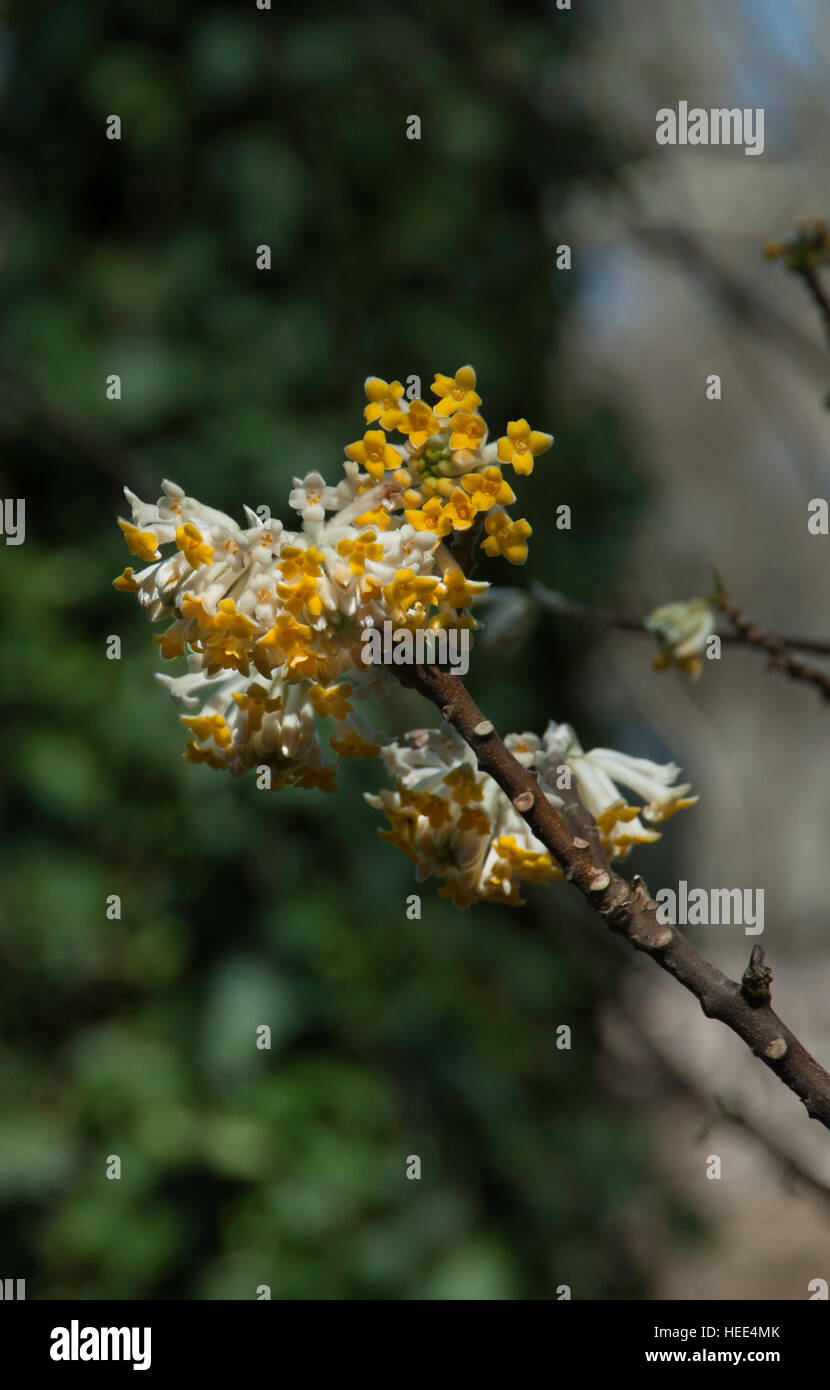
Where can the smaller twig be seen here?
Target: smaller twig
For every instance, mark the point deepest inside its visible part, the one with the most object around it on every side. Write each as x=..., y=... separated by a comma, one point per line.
x=621, y=622
x=817, y=293
x=792, y=1170
x=779, y=649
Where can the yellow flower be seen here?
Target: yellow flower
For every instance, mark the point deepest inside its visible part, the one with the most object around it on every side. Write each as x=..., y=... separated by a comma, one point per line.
x=521, y=445
x=535, y=866
x=301, y=595
x=409, y=588
x=373, y=452
x=229, y=620
x=457, y=393
x=430, y=517
x=209, y=726
x=506, y=537
x=473, y=818
x=323, y=778
x=227, y=642
x=301, y=665
x=255, y=704
x=464, y=786
x=378, y=517
x=487, y=489
x=141, y=543
x=419, y=424
x=195, y=754
x=294, y=561
x=332, y=702
x=195, y=550
x=383, y=397
x=351, y=745
x=192, y=607
x=357, y=552
x=468, y=431
x=370, y=588
x=287, y=634
x=461, y=510
x=125, y=582
x=170, y=643
x=458, y=590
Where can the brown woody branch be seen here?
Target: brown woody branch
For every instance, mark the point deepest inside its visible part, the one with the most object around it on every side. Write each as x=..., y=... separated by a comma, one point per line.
x=627, y=908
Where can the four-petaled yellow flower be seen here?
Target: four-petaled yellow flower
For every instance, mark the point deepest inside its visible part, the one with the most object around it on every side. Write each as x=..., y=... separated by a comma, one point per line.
x=506, y=537
x=373, y=452
x=357, y=552
x=144, y=544
x=294, y=561
x=351, y=745
x=287, y=634
x=468, y=431
x=464, y=786
x=303, y=594
x=457, y=393
x=521, y=445
x=256, y=704
x=419, y=423
x=473, y=818
x=383, y=397
x=461, y=510
x=408, y=589
x=459, y=591
x=430, y=517
x=332, y=702
x=192, y=545
x=488, y=489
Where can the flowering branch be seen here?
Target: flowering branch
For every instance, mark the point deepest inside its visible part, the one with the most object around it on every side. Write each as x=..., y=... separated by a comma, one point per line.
x=281, y=627
x=626, y=907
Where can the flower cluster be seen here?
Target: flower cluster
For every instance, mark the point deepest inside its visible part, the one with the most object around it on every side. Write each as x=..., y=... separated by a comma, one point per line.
x=271, y=620
x=456, y=824
x=682, y=631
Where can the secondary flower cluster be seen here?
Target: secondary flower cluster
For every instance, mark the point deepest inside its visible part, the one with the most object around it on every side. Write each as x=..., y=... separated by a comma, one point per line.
x=682, y=631
x=456, y=824
x=271, y=620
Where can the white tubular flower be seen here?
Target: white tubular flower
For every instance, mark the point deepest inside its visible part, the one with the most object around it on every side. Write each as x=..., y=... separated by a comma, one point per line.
x=651, y=781
x=312, y=497
x=455, y=823
x=682, y=631
x=598, y=774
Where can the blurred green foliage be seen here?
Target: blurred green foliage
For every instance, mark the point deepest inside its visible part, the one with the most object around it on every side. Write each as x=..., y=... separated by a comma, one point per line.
x=390, y=1037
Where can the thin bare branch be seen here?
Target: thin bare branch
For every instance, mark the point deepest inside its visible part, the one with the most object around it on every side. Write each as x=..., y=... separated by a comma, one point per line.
x=621, y=622
x=779, y=649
